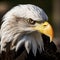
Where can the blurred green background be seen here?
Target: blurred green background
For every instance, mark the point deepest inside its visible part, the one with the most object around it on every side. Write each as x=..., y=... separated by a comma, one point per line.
x=51, y=7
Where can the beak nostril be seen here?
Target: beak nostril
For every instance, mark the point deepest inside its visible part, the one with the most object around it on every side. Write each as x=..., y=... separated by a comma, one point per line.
x=45, y=25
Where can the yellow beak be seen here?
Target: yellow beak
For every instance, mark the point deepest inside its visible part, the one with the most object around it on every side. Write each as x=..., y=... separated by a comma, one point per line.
x=45, y=28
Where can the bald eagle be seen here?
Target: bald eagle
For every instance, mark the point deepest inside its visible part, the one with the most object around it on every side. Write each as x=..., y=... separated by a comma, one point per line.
x=22, y=30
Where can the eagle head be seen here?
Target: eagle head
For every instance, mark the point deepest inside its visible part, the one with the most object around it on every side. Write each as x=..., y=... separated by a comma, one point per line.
x=23, y=25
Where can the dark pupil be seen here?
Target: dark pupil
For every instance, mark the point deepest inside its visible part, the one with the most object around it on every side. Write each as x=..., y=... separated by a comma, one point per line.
x=31, y=21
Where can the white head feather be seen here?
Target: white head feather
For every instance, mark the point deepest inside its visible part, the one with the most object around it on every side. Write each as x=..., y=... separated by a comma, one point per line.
x=26, y=11
x=10, y=29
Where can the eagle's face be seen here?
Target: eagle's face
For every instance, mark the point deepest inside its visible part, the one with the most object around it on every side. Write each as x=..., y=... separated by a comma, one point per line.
x=25, y=28
x=30, y=25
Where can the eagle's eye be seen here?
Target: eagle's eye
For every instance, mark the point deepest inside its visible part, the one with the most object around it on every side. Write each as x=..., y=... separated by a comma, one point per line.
x=31, y=21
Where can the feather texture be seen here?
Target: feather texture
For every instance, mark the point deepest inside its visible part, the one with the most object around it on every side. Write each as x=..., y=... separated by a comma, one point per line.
x=26, y=11
x=16, y=30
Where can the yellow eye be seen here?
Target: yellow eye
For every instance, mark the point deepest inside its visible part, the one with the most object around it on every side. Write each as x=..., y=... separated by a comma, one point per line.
x=31, y=21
